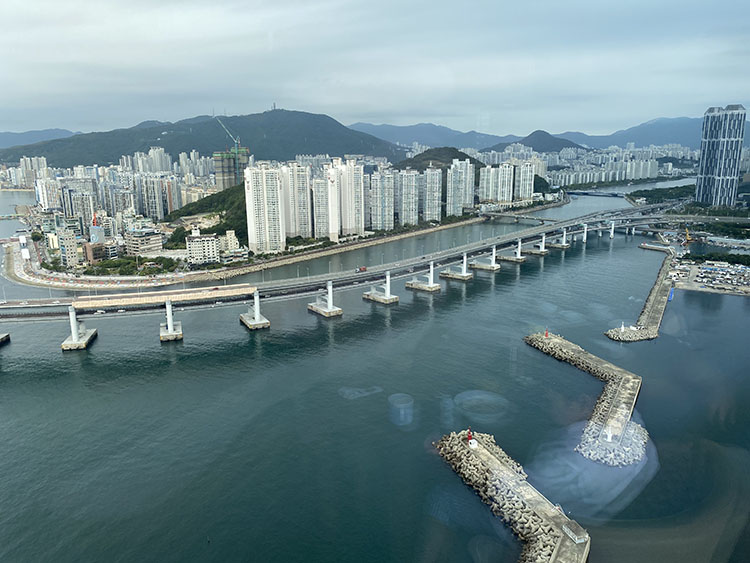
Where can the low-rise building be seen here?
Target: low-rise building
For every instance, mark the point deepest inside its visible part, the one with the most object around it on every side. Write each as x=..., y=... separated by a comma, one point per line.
x=202, y=249
x=141, y=241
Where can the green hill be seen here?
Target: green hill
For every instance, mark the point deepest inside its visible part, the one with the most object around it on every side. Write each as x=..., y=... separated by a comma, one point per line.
x=271, y=135
x=230, y=203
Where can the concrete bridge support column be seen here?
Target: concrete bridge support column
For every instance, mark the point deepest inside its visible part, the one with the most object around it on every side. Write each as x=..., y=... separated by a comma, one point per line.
x=387, y=284
x=325, y=307
x=80, y=337
x=544, y=240
x=518, y=250
x=253, y=320
x=171, y=330
x=464, y=265
x=386, y=298
x=493, y=262
x=565, y=236
x=585, y=231
x=429, y=286
x=431, y=278
x=612, y=230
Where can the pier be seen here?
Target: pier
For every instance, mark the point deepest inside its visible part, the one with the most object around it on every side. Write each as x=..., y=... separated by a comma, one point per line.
x=384, y=296
x=649, y=321
x=253, y=320
x=80, y=337
x=548, y=535
x=491, y=266
x=170, y=330
x=324, y=306
x=428, y=284
x=462, y=275
x=610, y=437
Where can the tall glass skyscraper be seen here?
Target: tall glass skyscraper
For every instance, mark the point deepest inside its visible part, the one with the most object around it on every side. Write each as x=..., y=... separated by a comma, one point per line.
x=721, y=148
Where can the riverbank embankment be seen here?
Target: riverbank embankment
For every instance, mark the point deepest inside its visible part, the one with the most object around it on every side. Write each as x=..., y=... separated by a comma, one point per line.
x=647, y=326
x=548, y=535
x=610, y=437
x=85, y=283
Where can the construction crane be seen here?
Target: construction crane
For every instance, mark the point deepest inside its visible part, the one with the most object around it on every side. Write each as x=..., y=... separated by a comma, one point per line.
x=688, y=238
x=236, y=141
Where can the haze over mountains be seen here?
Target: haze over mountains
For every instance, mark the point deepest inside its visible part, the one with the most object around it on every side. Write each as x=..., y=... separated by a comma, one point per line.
x=271, y=135
x=685, y=131
x=10, y=139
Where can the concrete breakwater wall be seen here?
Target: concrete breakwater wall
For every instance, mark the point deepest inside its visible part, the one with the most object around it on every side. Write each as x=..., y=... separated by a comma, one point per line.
x=547, y=534
x=647, y=326
x=610, y=437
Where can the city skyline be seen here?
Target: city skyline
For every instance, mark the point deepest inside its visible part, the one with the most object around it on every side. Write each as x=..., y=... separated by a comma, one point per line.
x=107, y=69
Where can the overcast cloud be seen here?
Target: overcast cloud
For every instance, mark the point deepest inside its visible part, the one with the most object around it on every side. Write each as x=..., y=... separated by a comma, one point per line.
x=498, y=67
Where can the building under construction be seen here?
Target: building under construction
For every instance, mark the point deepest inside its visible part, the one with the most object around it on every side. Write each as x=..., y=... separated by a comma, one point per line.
x=230, y=166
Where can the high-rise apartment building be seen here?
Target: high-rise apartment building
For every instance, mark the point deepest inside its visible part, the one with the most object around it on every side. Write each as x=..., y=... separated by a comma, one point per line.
x=352, y=197
x=408, y=213
x=295, y=192
x=266, y=225
x=460, y=187
x=523, y=181
x=430, y=197
x=721, y=151
x=382, y=189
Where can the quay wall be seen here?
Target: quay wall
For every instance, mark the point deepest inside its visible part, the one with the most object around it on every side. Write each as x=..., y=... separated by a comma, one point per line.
x=647, y=325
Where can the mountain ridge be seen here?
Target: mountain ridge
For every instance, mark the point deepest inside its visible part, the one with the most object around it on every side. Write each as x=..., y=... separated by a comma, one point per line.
x=12, y=139
x=271, y=135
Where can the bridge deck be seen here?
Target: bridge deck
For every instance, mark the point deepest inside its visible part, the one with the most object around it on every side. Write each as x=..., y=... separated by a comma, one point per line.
x=125, y=300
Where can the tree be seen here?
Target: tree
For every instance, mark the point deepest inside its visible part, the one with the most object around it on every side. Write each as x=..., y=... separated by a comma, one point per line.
x=36, y=236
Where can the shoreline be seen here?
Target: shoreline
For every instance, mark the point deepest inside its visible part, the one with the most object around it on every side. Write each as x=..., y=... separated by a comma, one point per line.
x=108, y=282
x=103, y=282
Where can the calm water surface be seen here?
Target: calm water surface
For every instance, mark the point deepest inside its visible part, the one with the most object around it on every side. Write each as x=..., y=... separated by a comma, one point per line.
x=284, y=446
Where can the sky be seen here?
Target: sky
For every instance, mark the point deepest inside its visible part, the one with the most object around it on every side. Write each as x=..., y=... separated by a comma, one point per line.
x=494, y=66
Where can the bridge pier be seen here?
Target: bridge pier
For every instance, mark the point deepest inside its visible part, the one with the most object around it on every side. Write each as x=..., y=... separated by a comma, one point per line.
x=386, y=298
x=429, y=285
x=493, y=266
x=253, y=320
x=612, y=230
x=564, y=241
x=517, y=257
x=80, y=337
x=542, y=250
x=171, y=330
x=585, y=231
x=463, y=275
x=325, y=307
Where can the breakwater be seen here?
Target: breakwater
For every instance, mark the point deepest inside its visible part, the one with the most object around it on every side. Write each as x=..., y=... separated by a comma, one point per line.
x=647, y=326
x=610, y=437
x=548, y=535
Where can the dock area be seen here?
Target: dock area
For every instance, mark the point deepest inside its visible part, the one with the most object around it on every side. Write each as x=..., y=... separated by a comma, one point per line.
x=610, y=437
x=647, y=326
x=548, y=535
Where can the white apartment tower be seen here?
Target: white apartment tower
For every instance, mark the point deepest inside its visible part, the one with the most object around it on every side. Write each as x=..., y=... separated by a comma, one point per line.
x=460, y=187
x=523, y=181
x=266, y=225
x=721, y=150
x=408, y=188
x=352, y=196
x=382, y=189
x=433, y=187
x=295, y=191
